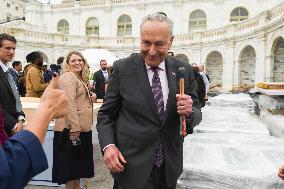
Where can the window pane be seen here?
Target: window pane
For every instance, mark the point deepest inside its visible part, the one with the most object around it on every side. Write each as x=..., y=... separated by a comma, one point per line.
x=197, y=20
x=127, y=19
x=235, y=12
x=198, y=14
x=63, y=27
x=124, y=25
x=92, y=26
x=243, y=12
x=239, y=14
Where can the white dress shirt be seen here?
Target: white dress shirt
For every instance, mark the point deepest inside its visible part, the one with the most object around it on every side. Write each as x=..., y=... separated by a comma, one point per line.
x=163, y=78
x=105, y=73
x=4, y=67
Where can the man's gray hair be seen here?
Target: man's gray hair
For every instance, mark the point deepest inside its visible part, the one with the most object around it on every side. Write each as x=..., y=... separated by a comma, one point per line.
x=157, y=17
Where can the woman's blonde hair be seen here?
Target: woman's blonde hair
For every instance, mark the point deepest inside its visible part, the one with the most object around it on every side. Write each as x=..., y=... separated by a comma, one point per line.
x=85, y=71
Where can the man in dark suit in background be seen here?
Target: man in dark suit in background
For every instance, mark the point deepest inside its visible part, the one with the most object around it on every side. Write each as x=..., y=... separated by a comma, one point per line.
x=9, y=96
x=18, y=77
x=16, y=70
x=138, y=123
x=100, y=79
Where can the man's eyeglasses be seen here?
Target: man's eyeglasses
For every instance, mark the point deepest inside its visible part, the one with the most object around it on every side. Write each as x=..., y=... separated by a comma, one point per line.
x=157, y=45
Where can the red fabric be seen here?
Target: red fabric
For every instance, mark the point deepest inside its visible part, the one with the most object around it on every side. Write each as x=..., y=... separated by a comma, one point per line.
x=3, y=135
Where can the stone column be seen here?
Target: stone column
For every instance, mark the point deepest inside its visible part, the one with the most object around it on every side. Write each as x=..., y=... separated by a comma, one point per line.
x=228, y=67
x=260, y=66
x=73, y=26
x=268, y=67
x=196, y=54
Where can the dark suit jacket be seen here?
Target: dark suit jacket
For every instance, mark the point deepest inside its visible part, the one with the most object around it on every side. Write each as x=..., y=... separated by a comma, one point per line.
x=14, y=74
x=21, y=84
x=129, y=119
x=100, y=84
x=8, y=103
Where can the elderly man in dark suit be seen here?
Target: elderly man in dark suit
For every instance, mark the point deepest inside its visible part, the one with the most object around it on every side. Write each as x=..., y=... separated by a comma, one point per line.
x=138, y=123
x=9, y=95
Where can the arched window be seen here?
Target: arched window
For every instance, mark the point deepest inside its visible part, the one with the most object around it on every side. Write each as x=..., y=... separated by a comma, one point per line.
x=239, y=14
x=197, y=20
x=124, y=25
x=92, y=26
x=63, y=26
x=278, y=61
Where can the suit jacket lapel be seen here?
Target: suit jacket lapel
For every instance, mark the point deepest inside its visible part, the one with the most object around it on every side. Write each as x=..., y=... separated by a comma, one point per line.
x=4, y=79
x=171, y=76
x=143, y=82
x=102, y=75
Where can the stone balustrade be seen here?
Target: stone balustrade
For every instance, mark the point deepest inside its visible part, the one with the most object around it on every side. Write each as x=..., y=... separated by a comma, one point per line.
x=84, y=3
x=277, y=11
x=184, y=37
x=250, y=24
x=93, y=3
x=63, y=5
x=7, y=30
x=216, y=33
x=37, y=36
x=124, y=1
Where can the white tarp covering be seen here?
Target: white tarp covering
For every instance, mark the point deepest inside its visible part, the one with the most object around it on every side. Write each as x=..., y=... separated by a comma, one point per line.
x=275, y=123
x=232, y=161
x=232, y=100
x=93, y=57
x=230, y=120
x=232, y=149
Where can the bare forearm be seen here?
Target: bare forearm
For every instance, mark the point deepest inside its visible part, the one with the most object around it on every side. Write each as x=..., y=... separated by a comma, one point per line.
x=38, y=124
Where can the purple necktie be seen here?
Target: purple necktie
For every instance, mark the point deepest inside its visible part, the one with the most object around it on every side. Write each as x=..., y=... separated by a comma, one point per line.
x=157, y=92
x=158, y=98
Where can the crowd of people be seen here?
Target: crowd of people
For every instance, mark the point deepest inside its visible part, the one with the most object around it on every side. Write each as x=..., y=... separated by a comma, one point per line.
x=138, y=123
x=72, y=132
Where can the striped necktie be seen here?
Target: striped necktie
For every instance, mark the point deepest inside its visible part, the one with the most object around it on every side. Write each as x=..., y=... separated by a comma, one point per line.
x=158, y=98
x=157, y=92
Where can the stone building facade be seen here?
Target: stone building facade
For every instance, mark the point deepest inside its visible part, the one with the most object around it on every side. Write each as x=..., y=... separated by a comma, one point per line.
x=240, y=42
x=11, y=10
